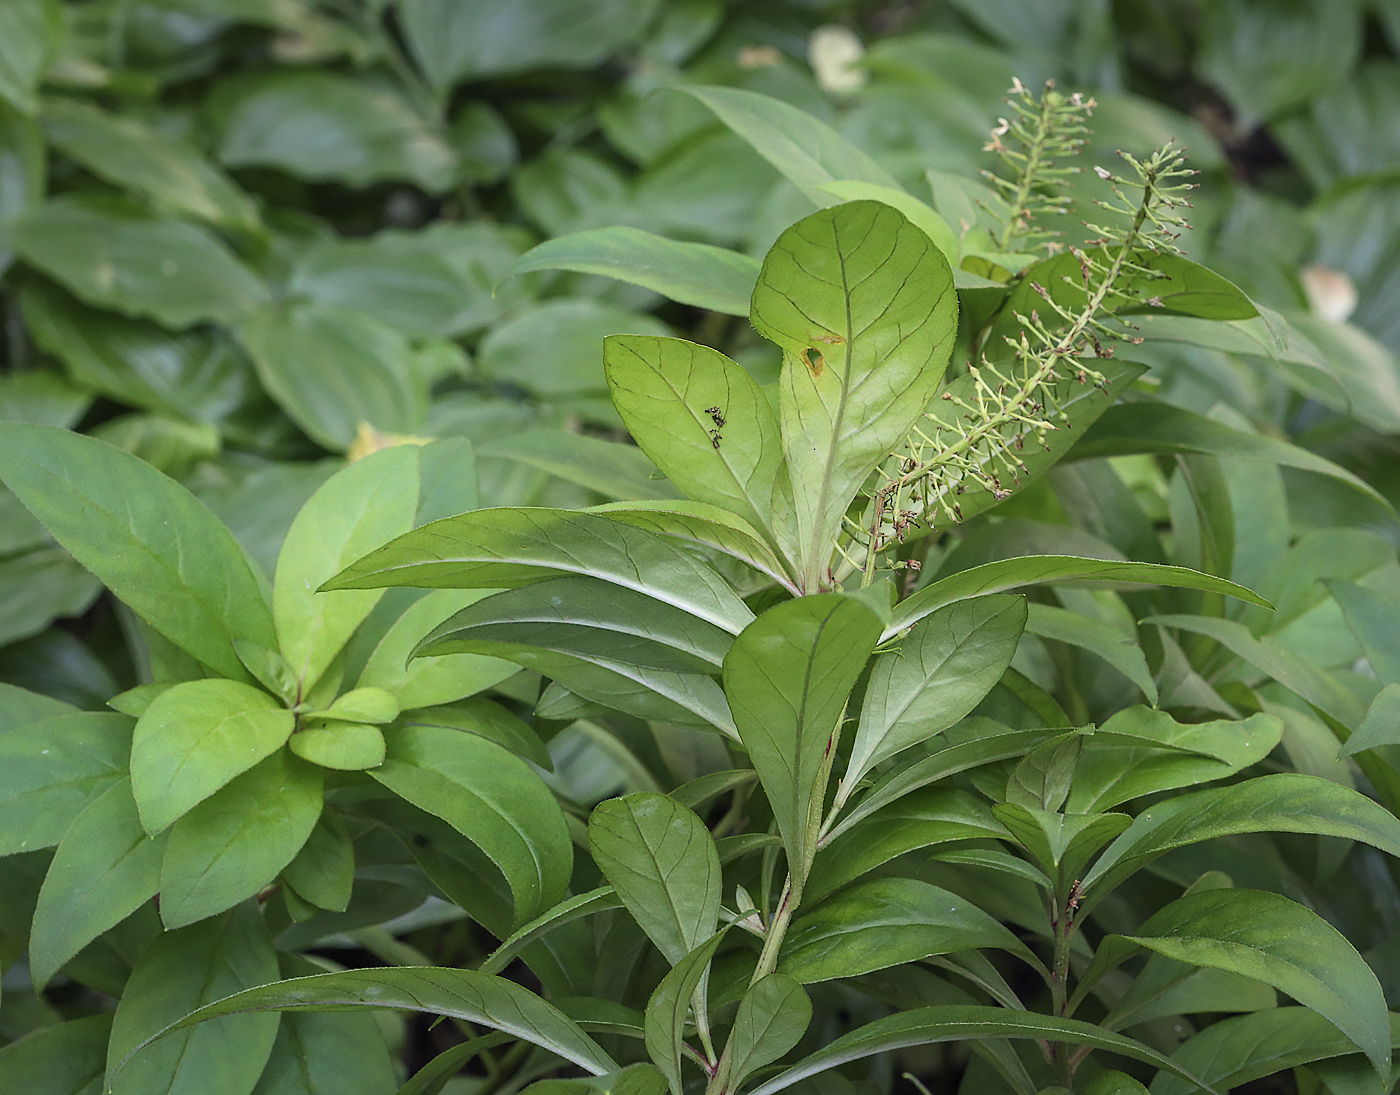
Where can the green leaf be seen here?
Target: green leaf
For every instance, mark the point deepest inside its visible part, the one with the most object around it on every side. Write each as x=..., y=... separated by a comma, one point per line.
x=787, y=678
x=52, y=768
x=332, y=370
x=881, y=922
x=808, y=152
x=1060, y=842
x=1381, y=726
x=149, y=540
x=688, y=273
x=918, y=213
x=105, y=868
x=236, y=841
x=940, y=672
x=354, y=511
x=1007, y=574
x=1272, y=939
x=428, y=682
x=194, y=738
x=570, y=909
x=772, y=1017
x=705, y=526
x=19, y=707
x=611, y=468
x=1114, y=1083
x=325, y=127
x=373, y=706
x=1374, y=618
x=137, y=263
x=170, y=171
x=1282, y=803
x=459, y=994
x=1110, y=643
x=29, y=31
x=676, y=397
x=1153, y=427
x=323, y=871
x=455, y=42
x=492, y=798
x=514, y=547
x=662, y=863
x=668, y=1007
x=954, y=1023
x=62, y=1059
x=38, y=587
x=349, y=746
x=862, y=305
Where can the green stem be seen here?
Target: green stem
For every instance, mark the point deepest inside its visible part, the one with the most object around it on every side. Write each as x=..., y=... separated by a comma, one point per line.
x=777, y=929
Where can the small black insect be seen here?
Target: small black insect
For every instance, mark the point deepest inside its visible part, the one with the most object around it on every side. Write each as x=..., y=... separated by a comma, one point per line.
x=714, y=438
x=716, y=415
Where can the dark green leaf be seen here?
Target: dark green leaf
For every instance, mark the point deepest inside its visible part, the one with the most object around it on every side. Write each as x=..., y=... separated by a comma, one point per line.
x=1114, y=645
x=772, y=1017
x=668, y=1007
x=573, y=908
x=323, y=871
x=705, y=526
x=62, y=1059
x=612, y=469
x=20, y=707
x=29, y=31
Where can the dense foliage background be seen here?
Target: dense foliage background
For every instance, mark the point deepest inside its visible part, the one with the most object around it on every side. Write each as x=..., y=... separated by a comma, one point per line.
x=247, y=240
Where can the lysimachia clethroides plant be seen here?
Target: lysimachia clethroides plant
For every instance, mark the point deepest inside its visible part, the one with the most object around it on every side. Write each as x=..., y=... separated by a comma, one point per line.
x=897, y=838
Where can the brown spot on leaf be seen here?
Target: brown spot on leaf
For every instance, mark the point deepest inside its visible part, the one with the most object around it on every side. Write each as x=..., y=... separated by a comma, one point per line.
x=817, y=367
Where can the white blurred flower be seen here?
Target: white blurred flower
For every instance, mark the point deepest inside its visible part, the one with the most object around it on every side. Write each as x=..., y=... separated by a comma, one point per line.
x=1330, y=293
x=834, y=53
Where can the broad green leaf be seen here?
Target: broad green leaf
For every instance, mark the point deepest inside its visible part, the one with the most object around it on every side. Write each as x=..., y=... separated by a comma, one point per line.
x=613, y=469
x=1242, y=1048
x=705, y=526
x=332, y=370
x=1155, y=427
x=787, y=678
x=322, y=126
x=921, y=819
x=181, y=971
x=335, y=743
x=514, y=547
x=1282, y=803
x=38, y=587
x=611, y=645
x=918, y=213
x=669, y=1006
x=1140, y=751
x=772, y=1018
x=235, y=842
x=1167, y=988
x=1008, y=574
x=688, y=273
x=1374, y=618
x=63, y=1059
x=491, y=721
x=323, y=871
x=149, y=540
x=372, y=706
x=170, y=171
x=862, y=305
x=986, y=743
x=428, y=682
x=676, y=398
x=1060, y=842
x=662, y=863
x=137, y=263
x=459, y=994
x=52, y=768
x=194, y=738
x=940, y=672
x=356, y=510
x=1381, y=726
x=962, y=1022
x=19, y=707
x=807, y=151
x=1114, y=1082
x=570, y=909
x=104, y=869
x=881, y=922
x=454, y=42
x=1277, y=941
x=1110, y=643
x=493, y=799
x=29, y=32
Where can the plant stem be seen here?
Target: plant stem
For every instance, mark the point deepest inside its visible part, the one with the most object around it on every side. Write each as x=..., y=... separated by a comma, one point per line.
x=777, y=929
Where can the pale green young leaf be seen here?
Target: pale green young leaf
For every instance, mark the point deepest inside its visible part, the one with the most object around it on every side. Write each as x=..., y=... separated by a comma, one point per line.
x=52, y=768
x=492, y=798
x=940, y=672
x=372, y=706
x=460, y=994
x=181, y=971
x=356, y=510
x=688, y=273
x=1005, y=574
x=772, y=1018
x=1277, y=941
x=194, y=738
x=701, y=418
x=496, y=548
x=668, y=1007
x=862, y=305
x=787, y=678
x=104, y=869
x=235, y=842
x=335, y=743
x=662, y=863
x=150, y=541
